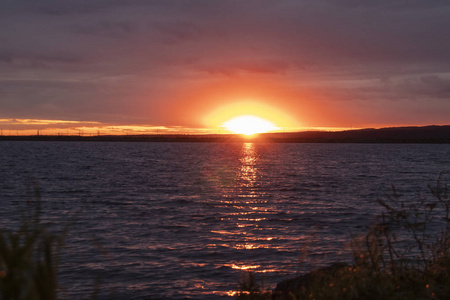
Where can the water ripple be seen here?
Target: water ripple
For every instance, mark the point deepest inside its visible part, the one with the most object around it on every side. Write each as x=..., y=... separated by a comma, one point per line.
x=179, y=221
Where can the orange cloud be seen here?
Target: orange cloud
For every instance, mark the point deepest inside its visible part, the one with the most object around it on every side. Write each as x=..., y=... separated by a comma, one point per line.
x=41, y=122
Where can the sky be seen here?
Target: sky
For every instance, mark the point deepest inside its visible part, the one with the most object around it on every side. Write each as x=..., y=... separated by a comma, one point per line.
x=139, y=65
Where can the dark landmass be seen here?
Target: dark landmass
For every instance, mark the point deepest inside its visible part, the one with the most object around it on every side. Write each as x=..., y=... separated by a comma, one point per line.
x=426, y=134
x=289, y=287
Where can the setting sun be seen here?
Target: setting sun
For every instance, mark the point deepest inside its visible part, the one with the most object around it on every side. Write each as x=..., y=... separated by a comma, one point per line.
x=249, y=125
x=249, y=116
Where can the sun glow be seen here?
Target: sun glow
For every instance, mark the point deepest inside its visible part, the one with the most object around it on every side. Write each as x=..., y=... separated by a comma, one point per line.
x=249, y=125
x=249, y=117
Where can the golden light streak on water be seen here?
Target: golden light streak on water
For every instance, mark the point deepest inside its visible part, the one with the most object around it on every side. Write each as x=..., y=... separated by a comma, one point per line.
x=232, y=293
x=244, y=267
x=247, y=215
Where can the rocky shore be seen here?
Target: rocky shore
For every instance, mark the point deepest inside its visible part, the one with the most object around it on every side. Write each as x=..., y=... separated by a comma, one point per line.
x=288, y=288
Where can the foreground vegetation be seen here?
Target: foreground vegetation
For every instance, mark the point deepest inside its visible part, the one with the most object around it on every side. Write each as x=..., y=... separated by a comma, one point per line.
x=29, y=258
x=405, y=255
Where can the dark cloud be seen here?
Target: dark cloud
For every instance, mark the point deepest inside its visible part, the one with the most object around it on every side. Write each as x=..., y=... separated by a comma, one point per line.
x=38, y=61
x=66, y=7
x=180, y=31
x=262, y=66
x=112, y=29
x=434, y=86
x=405, y=5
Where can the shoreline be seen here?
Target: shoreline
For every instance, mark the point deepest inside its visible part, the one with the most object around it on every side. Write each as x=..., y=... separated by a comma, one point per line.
x=421, y=135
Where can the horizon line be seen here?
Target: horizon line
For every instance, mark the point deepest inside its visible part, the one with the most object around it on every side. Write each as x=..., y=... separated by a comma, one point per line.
x=179, y=131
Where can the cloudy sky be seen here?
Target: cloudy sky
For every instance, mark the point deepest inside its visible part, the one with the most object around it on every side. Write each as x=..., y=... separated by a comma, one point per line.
x=192, y=64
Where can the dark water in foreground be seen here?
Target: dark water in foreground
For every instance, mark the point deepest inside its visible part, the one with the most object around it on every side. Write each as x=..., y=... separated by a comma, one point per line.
x=182, y=220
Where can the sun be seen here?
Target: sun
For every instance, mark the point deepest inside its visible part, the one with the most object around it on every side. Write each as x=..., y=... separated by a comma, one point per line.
x=249, y=125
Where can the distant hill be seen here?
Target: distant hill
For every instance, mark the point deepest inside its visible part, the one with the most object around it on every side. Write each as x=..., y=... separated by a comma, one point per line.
x=426, y=134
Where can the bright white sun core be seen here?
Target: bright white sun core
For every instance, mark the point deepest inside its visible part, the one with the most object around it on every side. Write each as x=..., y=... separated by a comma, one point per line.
x=249, y=125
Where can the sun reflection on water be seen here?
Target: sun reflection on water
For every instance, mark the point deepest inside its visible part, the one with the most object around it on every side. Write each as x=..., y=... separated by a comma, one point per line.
x=248, y=209
x=249, y=215
x=248, y=173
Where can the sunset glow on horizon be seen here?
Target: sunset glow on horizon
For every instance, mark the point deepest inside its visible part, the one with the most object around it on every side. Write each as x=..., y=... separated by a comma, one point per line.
x=237, y=115
x=249, y=125
x=162, y=68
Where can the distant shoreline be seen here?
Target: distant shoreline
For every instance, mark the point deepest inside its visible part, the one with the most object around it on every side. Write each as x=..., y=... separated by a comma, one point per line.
x=423, y=135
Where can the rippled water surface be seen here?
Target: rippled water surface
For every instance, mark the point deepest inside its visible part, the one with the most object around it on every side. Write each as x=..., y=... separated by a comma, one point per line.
x=183, y=220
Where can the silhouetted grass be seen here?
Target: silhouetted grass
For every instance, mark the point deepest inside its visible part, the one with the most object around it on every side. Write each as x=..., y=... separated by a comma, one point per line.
x=29, y=257
x=405, y=255
x=250, y=289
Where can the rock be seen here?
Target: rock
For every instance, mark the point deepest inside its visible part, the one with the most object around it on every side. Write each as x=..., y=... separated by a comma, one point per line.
x=287, y=288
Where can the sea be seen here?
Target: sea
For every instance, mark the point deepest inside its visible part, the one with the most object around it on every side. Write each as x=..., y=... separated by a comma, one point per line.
x=189, y=220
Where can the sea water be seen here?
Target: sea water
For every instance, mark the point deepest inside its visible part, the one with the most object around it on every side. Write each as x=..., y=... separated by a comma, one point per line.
x=186, y=220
